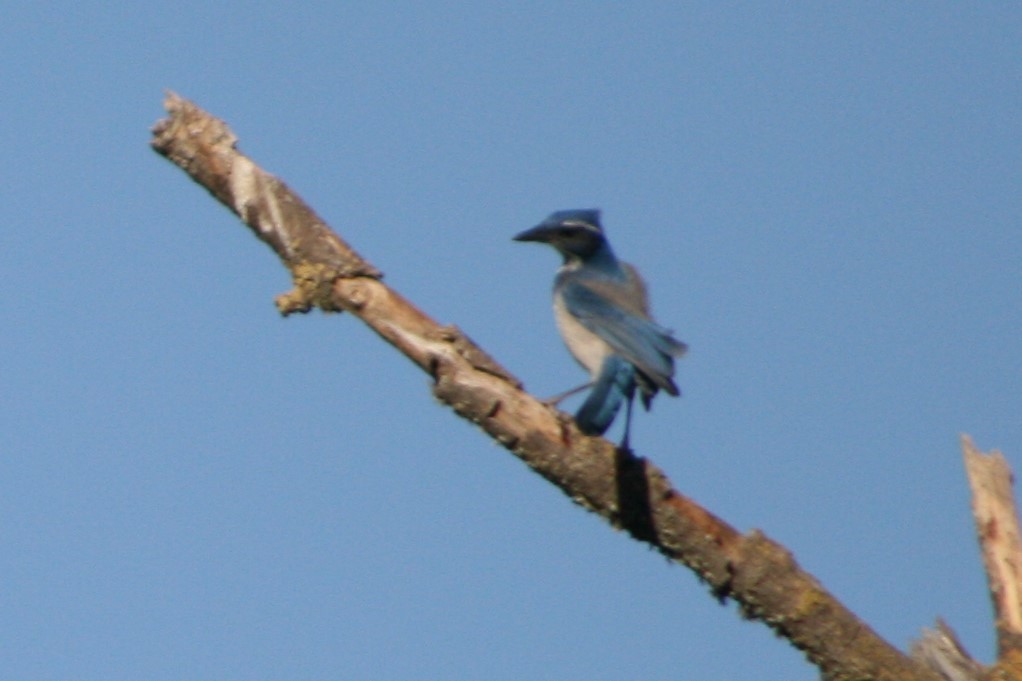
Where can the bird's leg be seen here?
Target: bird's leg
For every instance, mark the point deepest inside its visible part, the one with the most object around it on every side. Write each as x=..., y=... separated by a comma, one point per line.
x=624, y=446
x=558, y=398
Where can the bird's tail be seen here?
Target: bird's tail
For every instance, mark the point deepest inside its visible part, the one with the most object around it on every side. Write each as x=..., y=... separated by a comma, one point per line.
x=613, y=386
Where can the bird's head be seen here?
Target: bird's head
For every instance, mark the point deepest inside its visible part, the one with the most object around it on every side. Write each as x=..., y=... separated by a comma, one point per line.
x=576, y=234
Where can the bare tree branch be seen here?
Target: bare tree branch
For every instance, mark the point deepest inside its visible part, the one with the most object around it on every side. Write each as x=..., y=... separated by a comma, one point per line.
x=629, y=492
x=997, y=526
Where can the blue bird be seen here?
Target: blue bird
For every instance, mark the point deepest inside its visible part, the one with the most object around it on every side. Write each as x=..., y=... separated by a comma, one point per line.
x=602, y=312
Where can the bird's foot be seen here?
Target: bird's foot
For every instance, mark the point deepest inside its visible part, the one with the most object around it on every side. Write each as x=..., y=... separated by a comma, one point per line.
x=558, y=398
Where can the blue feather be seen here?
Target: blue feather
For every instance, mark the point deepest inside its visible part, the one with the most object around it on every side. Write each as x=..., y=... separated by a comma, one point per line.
x=615, y=383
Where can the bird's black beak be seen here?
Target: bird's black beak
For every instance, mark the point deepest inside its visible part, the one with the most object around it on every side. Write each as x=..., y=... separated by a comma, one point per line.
x=540, y=233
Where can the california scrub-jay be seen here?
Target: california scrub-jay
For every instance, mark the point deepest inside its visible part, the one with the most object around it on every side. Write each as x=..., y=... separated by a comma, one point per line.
x=602, y=312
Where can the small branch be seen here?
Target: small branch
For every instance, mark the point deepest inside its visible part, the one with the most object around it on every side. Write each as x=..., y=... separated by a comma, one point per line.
x=940, y=650
x=629, y=492
x=997, y=525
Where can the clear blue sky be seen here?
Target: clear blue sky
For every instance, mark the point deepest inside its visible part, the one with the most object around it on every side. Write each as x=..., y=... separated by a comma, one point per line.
x=824, y=198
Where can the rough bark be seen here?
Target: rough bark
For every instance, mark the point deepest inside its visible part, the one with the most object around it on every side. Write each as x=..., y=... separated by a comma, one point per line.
x=628, y=491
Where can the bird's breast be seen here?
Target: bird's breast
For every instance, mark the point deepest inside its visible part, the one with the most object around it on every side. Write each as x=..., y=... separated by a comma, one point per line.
x=586, y=347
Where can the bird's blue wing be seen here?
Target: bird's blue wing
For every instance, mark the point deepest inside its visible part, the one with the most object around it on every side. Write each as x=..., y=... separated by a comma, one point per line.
x=642, y=342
